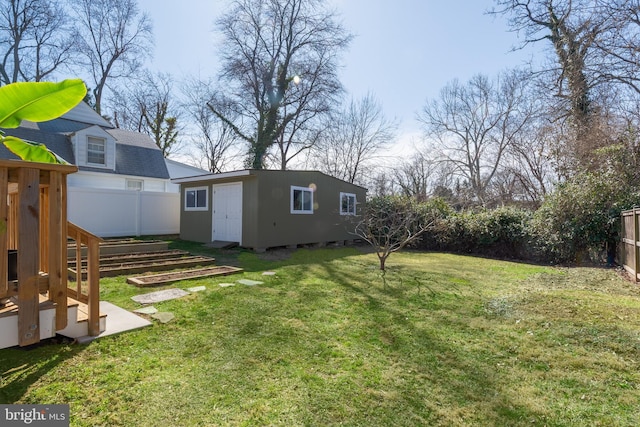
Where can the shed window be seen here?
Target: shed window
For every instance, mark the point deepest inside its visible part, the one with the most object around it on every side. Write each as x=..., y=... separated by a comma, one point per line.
x=347, y=204
x=196, y=199
x=96, y=150
x=301, y=200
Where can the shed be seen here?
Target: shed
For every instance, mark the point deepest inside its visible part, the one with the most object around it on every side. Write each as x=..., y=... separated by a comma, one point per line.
x=260, y=209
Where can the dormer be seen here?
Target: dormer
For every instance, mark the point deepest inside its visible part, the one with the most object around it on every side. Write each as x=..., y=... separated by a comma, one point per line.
x=94, y=147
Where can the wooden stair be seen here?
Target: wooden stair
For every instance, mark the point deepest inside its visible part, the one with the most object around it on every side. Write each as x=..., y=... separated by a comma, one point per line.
x=77, y=325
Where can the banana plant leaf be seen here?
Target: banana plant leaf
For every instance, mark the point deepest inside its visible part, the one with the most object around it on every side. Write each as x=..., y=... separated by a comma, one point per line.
x=32, y=151
x=38, y=101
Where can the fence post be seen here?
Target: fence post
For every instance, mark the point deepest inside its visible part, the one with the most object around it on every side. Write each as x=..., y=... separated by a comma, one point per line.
x=636, y=248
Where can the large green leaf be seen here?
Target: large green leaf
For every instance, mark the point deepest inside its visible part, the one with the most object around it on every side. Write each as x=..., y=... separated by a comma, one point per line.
x=38, y=101
x=32, y=151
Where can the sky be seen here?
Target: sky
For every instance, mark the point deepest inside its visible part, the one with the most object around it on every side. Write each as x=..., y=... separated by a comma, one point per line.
x=404, y=51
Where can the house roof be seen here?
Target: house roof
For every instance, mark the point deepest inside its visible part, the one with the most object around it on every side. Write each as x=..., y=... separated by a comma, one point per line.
x=138, y=161
x=83, y=113
x=58, y=143
x=61, y=126
x=136, y=153
x=179, y=170
x=136, y=139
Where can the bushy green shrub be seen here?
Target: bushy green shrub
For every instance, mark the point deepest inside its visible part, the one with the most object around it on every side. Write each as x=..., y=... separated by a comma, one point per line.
x=580, y=221
x=501, y=232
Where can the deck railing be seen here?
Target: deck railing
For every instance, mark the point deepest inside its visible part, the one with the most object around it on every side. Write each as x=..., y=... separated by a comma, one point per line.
x=86, y=291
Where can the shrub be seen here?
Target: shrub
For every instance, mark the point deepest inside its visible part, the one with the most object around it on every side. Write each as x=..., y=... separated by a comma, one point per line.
x=501, y=232
x=580, y=220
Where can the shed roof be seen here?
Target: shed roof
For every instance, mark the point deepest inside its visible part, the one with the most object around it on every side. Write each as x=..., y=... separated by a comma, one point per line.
x=249, y=172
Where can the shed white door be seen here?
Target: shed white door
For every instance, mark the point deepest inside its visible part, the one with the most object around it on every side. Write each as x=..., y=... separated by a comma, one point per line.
x=227, y=212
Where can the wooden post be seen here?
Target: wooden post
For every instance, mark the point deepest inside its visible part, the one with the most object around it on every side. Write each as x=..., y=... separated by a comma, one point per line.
x=63, y=244
x=44, y=231
x=636, y=236
x=56, y=258
x=4, y=224
x=93, y=276
x=28, y=256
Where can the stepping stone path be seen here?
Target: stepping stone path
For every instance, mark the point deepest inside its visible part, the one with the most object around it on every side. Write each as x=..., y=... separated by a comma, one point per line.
x=248, y=282
x=159, y=296
x=226, y=285
x=164, y=316
x=197, y=289
x=146, y=310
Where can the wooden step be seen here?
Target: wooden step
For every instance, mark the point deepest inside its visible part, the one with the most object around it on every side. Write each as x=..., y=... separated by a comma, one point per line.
x=77, y=321
x=9, y=321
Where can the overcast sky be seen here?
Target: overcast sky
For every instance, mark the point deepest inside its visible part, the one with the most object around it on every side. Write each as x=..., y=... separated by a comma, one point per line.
x=404, y=51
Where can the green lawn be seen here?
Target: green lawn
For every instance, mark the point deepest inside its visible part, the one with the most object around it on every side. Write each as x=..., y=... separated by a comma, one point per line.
x=450, y=340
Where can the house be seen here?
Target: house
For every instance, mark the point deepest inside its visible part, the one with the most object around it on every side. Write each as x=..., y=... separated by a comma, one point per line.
x=260, y=209
x=122, y=186
x=181, y=170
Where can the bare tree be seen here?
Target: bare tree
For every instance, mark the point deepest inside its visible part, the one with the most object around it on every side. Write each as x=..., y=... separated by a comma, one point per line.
x=535, y=159
x=279, y=71
x=149, y=107
x=354, y=138
x=389, y=223
x=595, y=44
x=36, y=39
x=213, y=138
x=471, y=126
x=115, y=39
x=414, y=176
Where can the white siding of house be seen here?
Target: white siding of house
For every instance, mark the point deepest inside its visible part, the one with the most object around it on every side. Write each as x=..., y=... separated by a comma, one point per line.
x=114, y=213
x=113, y=181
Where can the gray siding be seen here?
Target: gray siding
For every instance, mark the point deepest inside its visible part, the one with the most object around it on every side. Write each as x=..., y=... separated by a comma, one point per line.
x=277, y=226
x=267, y=218
x=195, y=225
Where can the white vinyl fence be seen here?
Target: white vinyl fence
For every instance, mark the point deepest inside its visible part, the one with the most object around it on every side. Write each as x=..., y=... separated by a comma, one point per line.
x=115, y=213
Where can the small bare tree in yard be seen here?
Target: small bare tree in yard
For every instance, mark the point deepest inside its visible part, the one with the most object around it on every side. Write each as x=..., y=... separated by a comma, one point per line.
x=389, y=223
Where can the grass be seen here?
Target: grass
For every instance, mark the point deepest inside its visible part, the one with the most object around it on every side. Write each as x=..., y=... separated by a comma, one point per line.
x=450, y=340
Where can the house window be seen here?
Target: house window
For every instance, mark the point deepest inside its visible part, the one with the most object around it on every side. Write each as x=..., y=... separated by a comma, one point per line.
x=95, y=150
x=135, y=185
x=347, y=204
x=196, y=199
x=301, y=200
